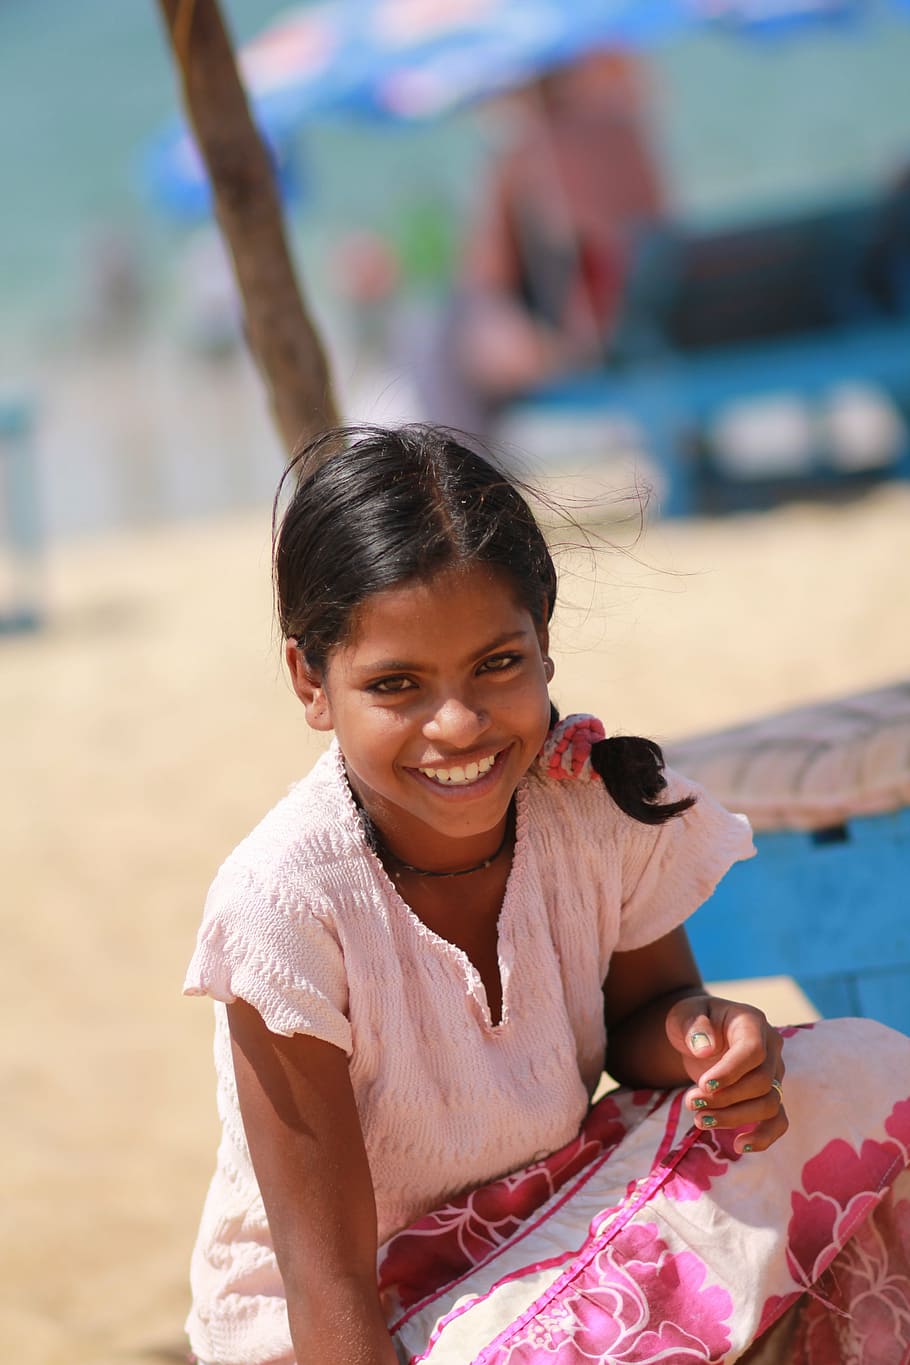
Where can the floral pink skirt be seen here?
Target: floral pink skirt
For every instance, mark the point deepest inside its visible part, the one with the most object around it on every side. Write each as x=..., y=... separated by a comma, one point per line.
x=646, y=1240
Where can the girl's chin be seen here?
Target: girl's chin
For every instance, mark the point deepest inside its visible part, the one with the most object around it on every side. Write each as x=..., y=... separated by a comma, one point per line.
x=458, y=818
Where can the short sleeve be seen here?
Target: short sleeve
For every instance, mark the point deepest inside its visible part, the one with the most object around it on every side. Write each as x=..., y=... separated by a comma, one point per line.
x=267, y=947
x=669, y=870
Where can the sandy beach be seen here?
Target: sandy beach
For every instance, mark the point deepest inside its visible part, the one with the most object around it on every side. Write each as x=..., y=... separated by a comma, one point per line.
x=147, y=728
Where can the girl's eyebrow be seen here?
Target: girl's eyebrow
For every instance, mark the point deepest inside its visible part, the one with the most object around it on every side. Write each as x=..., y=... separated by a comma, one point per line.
x=413, y=666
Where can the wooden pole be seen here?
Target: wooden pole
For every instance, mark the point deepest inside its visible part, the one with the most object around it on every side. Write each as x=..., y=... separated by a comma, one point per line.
x=280, y=334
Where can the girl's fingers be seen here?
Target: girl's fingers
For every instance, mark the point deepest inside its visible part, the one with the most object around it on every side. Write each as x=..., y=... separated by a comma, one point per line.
x=763, y=1117
x=732, y=1054
x=691, y=1031
x=700, y=1038
x=758, y=1084
x=753, y=1047
x=760, y=1138
x=738, y=1115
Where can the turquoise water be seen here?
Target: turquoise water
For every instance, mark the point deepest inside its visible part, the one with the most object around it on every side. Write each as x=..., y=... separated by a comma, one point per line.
x=745, y=128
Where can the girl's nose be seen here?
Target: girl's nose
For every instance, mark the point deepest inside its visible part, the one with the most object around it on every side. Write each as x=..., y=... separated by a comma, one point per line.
x=458, y=722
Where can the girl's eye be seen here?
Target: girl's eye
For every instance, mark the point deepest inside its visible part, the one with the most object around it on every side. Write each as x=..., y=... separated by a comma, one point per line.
x=500, y=663
x=389, y=686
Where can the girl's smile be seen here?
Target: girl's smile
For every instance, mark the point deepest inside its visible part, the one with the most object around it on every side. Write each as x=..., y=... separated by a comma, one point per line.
x=466, y=780
x=460, y=775
x=439, y=702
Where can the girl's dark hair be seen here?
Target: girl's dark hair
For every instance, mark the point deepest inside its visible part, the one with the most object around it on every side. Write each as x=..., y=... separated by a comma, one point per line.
x=632, y=770
x=374, y=508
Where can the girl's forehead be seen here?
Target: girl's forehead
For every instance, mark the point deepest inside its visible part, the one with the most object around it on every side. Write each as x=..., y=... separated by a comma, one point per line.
x=461, y=593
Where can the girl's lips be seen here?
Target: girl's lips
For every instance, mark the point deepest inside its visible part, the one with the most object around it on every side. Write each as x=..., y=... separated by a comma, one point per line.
x=465, y=784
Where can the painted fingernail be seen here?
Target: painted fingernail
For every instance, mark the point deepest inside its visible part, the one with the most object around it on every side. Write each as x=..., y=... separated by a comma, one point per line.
x=699, y=1103
x=707, y=1121
x=699, y=1041
x=712, y=1085
x=747, y=1147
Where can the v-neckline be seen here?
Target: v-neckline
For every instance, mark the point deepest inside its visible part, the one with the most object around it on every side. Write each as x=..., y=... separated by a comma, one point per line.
x=469, y=970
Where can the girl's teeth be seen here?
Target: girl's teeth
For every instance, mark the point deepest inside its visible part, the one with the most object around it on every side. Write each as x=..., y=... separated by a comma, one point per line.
x=459, y=776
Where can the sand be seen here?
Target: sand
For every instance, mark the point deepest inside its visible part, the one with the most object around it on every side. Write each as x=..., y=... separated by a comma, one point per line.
x=148, y=727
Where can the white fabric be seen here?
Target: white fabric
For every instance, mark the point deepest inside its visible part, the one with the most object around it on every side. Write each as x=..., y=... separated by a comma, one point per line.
x=303, y=923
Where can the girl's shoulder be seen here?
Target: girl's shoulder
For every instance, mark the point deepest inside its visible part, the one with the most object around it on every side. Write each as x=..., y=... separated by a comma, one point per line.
x=565, y=777
x=270, y=930
x=665, y=869
x=567, y=795
x=312, y=829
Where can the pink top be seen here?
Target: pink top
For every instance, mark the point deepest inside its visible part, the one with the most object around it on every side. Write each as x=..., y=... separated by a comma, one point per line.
x=303, y=923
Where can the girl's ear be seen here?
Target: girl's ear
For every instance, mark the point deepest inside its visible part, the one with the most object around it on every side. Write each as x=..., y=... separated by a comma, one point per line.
x=307, y=683
x=543, y=640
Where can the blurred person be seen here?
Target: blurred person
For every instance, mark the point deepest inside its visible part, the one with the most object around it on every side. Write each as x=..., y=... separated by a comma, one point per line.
x=208, y=297
x=114, y=283
x=543, y=267
x=365, y=272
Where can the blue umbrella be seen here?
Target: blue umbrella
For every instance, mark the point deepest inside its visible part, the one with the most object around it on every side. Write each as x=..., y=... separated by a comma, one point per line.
x=395, y=59
x=500, y=45
x=419, y=58
x=750, y=16
x=411, y=59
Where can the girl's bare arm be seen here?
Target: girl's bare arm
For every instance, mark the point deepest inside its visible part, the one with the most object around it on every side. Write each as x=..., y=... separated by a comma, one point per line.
x=308, y=1153
x=639, y=989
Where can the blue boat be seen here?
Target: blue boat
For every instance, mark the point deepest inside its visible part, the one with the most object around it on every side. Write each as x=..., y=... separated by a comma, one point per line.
x=827, y=899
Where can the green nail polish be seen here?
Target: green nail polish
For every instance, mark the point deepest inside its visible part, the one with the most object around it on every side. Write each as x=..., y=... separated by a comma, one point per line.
x=700, y=1103
x=708, y=1121
x=748, y=1147
x=712, y=1085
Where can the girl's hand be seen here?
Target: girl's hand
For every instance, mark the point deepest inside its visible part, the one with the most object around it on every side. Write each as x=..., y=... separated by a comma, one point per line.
x=734, y=1057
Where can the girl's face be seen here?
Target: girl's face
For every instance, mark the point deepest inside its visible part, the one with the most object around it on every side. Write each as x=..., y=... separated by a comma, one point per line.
x=440, y=705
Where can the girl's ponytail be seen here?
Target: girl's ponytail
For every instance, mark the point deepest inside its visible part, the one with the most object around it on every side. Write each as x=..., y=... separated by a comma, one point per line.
x=631, y=769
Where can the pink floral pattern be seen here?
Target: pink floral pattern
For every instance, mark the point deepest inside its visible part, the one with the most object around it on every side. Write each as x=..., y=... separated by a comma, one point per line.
x=636, y=1301
x=860, y=1309
x=706, y=1161
x=462, y=1233
x=849, y=1239
x=897, y=1125
x=665, y=1270
x=840, y=1188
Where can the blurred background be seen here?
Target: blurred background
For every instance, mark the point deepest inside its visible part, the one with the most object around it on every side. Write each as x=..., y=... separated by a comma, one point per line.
x=145, y=723
x=109, y=283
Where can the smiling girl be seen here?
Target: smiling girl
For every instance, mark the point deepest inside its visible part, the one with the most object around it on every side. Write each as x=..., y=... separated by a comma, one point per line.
x=427, y=952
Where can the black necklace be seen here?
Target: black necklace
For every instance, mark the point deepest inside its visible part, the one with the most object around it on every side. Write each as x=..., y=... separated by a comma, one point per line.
x=376, y=843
